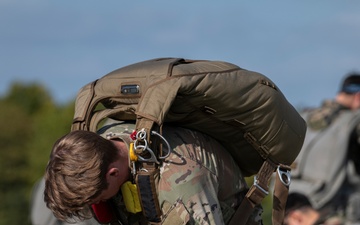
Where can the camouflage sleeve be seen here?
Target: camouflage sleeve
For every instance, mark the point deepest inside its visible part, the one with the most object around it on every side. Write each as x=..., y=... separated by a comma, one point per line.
x=322, y=117
x=199, y=182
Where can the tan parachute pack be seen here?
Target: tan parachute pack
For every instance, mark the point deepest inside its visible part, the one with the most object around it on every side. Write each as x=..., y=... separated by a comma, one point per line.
x=244, y=110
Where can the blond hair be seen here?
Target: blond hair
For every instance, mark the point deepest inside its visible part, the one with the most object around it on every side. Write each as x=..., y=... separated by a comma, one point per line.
x=76, y=173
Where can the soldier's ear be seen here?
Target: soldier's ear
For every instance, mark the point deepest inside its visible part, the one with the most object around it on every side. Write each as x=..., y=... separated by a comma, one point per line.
x=113, y=172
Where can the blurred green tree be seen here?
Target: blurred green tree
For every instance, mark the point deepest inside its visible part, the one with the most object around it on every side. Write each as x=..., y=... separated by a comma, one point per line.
x=48, y=125
x=15, y=132
x=31, y=97
x=31, y=122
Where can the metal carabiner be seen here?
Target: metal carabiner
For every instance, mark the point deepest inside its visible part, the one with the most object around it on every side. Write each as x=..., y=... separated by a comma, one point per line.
x=285, y=176
x=143, y=147
x=140, y=136
x=151, y=159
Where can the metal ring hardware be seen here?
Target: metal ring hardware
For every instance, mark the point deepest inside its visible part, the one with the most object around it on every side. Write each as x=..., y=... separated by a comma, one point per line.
x=284, y=175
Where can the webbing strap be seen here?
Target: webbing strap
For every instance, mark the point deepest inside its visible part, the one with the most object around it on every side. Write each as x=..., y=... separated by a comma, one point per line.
x=83, y=109
x=145, y=124
x=257, y=192
x=145, y=180
x=281, y=192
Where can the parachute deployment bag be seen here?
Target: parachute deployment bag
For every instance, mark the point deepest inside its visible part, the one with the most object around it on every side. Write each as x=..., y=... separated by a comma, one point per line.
x=244, y=110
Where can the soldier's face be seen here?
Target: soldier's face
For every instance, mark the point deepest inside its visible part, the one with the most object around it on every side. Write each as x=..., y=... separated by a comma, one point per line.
x=117, y=174
x=109, y=192
x=115, y=177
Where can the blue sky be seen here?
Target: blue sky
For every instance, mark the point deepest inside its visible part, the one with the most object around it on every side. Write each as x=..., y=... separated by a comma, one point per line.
x=305, y=47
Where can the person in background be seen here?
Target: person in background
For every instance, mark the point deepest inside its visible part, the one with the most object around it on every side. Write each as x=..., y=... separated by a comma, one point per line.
x=328, y=166
x=299, y=211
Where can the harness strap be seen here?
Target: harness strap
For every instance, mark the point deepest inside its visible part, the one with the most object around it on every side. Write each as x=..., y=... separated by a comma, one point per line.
x=146, y=176
x=145, y=180
x=280, y=195
x=257, y=192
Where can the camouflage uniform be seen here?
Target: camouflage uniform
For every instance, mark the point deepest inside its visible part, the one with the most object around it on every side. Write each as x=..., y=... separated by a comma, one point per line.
x=199, y=182
x=344, y=208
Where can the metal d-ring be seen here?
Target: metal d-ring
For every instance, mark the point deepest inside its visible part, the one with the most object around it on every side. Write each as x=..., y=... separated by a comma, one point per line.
x=151, y=159
x=285, y=176
x=141, y=136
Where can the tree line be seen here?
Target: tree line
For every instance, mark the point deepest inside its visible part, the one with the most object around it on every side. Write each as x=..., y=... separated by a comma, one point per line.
x=30, y=123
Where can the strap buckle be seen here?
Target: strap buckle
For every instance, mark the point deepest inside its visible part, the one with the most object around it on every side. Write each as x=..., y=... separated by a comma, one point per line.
x=257, y=185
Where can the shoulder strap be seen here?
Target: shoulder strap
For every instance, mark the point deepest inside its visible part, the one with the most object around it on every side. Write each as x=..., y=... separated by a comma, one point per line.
x=259, y=190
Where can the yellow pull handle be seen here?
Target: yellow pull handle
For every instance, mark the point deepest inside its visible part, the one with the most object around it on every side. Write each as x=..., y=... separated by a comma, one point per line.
x=131, y=197
x=133, y=156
